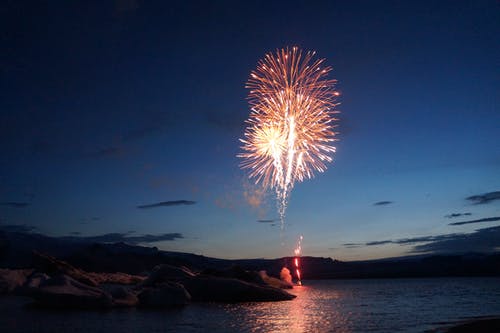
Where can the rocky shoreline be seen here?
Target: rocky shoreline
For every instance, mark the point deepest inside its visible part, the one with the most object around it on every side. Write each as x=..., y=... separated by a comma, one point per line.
x=56, y=284
x=478, y=325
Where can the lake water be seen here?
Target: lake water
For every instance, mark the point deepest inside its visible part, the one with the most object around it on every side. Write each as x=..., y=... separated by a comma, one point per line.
x=375, y=305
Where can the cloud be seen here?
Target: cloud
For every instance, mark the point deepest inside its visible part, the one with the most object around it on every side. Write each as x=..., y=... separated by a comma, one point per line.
x=401, y=241
x=487, y=219
x=348, y=245
x=453, y=215
x=481, y=240
x=378, y=242
x=15, y=204
x=484, y=198
x=120, y=237
x=17, y=228
x=153, y=238
x=105, y=238
x=167, y=204
x=382, y=203
x=268, y=221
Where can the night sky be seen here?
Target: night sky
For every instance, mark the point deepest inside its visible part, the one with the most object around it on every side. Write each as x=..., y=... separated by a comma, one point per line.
x=122, y=120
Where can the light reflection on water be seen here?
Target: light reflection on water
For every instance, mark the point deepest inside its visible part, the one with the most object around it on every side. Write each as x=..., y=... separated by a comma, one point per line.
x=306, y=313
x=384, y=305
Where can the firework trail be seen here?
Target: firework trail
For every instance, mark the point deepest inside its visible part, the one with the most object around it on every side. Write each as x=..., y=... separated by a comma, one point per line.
x=289, y=132
x=298, y=253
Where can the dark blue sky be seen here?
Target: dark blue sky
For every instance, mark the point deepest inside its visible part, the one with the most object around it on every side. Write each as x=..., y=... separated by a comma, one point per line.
x=107, y=106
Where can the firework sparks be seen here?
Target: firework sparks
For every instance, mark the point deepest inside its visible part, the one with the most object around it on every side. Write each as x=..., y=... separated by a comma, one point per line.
x=298, y=253
x=290, y=130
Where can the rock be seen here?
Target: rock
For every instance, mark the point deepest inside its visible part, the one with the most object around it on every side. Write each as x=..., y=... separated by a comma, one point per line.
x=165, y=273
x=122, y=297
x=52, y=266
x=479, y=325
x=12, y=279
x=166, y=295
x=237, y=272
x=116, y=278
x=32, y=284
x=64, y=291
x=274, y=282
x=35, y=280
x=218, y=289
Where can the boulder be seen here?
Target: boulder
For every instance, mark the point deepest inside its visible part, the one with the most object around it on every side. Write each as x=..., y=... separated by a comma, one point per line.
x=116, y=278
x=13, y=279
x=35, y=280
x=32, y=284
x=122, y=297
x=52, y=266
x=64, y=291
x=237, y=272
x=165, y=295
x=219, y=289
x=274, y=282
x=165, y=273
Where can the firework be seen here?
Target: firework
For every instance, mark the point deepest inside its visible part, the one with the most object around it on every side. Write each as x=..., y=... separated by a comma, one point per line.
x=298, y=253
x=290, y=129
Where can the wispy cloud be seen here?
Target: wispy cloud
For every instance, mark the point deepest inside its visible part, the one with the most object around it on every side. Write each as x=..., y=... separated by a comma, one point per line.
x=481, y=240
x=454, y=215
x=126, y=238
x=15, y=204
x=17, y=228
x=484, y=198
x=383, y=203
x=167, y=204
x=487, y=219
x=379, y=242
x=348, y=245
x=402, y=241
x=268, y=221
x=76, y=236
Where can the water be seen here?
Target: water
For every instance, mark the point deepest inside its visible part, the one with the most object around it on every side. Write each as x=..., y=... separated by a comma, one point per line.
x=376, y=305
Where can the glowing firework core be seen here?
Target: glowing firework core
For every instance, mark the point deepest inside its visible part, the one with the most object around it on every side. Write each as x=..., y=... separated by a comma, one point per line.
x=289, y=131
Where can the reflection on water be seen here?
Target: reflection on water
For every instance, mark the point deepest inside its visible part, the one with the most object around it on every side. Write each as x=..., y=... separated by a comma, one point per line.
x=306, y=313
x=384, y=305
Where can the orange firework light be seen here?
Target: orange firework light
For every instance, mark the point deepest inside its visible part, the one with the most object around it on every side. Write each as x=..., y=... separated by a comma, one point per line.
x=290, y=130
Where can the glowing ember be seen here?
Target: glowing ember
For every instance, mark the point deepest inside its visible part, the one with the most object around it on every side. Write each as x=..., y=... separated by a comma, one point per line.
x=289, y=131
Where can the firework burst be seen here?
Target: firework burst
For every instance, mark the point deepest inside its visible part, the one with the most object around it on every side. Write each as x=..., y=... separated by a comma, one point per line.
x=290, y=129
